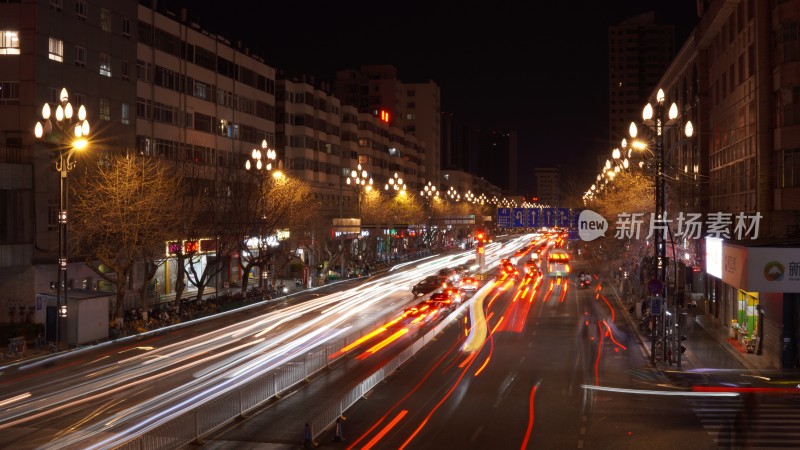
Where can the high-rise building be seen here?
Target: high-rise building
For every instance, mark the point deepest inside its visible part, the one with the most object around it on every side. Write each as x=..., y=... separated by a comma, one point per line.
x=639, y=51
x=412, y=107
x=548, y=186
x=497, y=158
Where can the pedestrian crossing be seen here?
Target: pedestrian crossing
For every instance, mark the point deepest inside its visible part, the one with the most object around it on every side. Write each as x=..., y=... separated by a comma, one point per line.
x=762, y=421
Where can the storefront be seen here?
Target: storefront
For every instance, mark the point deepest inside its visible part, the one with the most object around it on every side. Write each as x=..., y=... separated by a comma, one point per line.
x=753, y=291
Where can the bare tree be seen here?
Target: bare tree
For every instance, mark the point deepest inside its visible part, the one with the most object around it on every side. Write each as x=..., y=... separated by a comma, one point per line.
x=210, y=212
x=266, y=206
x=122, y=214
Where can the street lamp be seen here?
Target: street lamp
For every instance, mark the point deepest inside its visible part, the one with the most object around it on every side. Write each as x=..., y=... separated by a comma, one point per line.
x=255, y=160
x=453, y=194
x=360, y=178
x=657, y=119
x=395, y=183
x=68, y=134
x=261, y=161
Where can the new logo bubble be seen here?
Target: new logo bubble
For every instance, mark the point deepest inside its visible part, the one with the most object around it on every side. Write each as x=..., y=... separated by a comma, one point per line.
x=591, y=225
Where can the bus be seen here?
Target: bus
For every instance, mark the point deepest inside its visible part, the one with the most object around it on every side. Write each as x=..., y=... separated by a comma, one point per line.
x=558, y=263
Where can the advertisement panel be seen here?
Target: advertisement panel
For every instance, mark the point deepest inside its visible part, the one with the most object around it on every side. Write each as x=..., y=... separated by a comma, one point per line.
x=714, y=257
x=734, y=262
x=773, y=269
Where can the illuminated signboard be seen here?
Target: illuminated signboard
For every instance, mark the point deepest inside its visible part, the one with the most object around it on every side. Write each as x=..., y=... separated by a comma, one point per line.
x=191, y=246
x=194, y=246
x=714, y=257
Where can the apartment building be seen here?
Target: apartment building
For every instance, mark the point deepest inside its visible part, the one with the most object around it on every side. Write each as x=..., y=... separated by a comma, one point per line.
x=413, y=107
x=199, y=101
x=89, y=48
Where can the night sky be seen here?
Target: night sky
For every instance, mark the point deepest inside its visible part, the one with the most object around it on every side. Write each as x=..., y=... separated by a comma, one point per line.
x=537, y=67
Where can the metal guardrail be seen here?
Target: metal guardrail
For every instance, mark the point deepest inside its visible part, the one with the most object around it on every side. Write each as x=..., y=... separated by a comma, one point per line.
x=181, y=429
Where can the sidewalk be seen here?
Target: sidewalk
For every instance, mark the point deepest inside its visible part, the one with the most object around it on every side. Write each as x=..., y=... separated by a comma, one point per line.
x=707, y=346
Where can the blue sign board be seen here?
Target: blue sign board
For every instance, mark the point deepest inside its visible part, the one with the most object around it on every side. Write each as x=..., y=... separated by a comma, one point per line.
x=518, y=217
x=504, y=217
x=533, y=217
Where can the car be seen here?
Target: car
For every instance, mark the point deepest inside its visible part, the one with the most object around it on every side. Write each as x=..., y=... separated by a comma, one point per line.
x=449, y=273
x=428, y=285
x=532, y=269
x=469, y=284
x=442, y=300
x=455, y=293
x=508, y=270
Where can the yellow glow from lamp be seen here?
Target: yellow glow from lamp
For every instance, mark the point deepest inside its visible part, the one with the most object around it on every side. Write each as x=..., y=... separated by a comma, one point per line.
x=80, y=144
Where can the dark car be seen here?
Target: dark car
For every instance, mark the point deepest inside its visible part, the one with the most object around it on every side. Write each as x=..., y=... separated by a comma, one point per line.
x=442, y=300
x=449, y=273
x=428, y=285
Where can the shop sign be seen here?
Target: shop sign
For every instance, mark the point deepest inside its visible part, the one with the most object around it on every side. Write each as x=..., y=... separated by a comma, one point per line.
x=734, y=262
x=714, y=257
x=773, y=270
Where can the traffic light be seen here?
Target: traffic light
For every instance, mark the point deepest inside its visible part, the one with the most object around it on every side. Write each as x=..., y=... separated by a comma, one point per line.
x=480, y=237
x=481, y=248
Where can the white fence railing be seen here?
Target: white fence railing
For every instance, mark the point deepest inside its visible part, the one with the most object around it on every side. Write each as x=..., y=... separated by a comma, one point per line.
x=183, y=428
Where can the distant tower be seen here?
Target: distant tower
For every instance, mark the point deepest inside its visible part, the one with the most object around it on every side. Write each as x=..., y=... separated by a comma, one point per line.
x=548, y=185
x=639, y=52
x=497, y=158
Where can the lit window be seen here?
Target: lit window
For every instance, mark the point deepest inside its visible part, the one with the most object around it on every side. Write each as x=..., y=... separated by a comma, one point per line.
x=105, y=19
x=105, y=109
x=9, y=42
x=56, y=49
x=81, y=9
x=105, y=64
x=126, y=114
x=80, y=56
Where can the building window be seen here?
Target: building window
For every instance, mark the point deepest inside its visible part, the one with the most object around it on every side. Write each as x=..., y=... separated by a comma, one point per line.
x=126, y=27
x=105, y=19
x=105, y=109
x=56, y=49
x=56, y=4
x=80, y=56
x=144, y=71
x=81, y=9
x=125, y=70
x=125, y=114
x=105, y=64
x=9, y=93
x=9, y=42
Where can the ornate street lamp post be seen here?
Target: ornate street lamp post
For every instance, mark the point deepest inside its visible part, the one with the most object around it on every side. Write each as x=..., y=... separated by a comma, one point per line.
x=261, y=162
x=397, y=184
x=657, y=119
x=68, y=134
